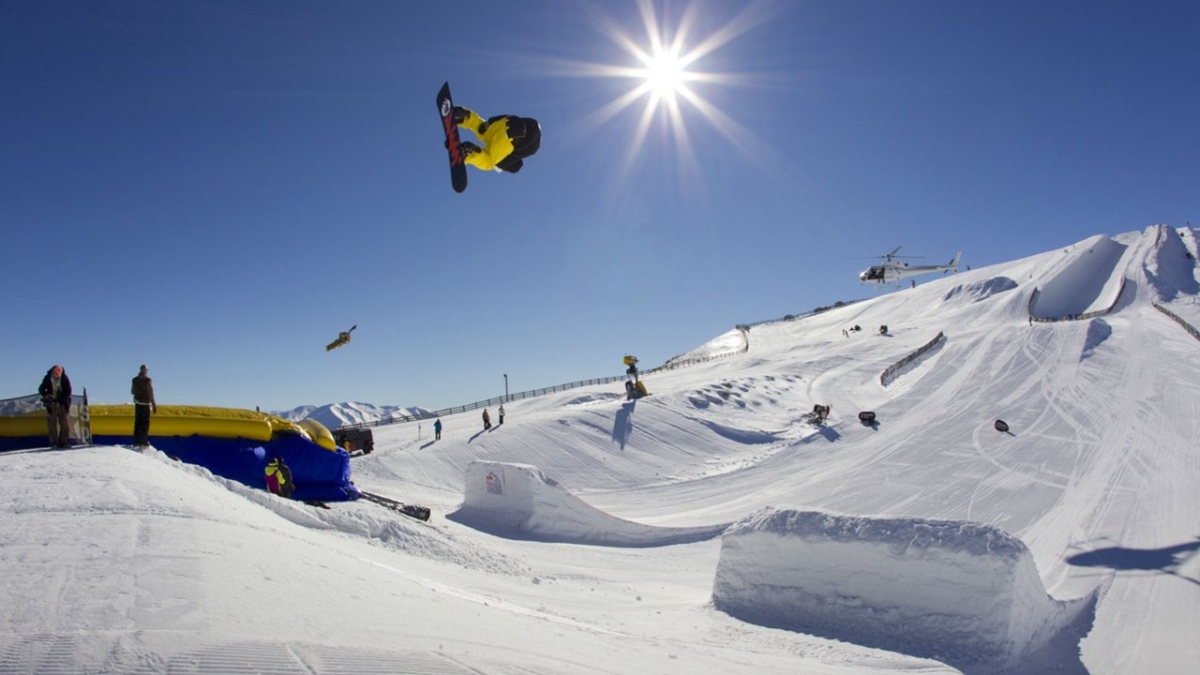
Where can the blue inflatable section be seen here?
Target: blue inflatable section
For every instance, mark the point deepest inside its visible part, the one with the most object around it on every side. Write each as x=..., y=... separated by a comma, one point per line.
x=317, y=473
x=8, y=443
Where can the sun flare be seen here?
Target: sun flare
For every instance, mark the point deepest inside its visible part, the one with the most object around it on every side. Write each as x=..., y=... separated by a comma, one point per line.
x=665, y=74
x=666, y=68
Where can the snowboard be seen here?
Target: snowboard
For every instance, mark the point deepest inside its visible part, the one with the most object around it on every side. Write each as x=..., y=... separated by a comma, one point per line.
x=458, y=170
x=410, y=510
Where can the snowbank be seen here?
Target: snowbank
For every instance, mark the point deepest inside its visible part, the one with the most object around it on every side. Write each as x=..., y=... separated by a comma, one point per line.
x=982, y=290
x=960, y=592
x=1171, y=268
x=518, y=501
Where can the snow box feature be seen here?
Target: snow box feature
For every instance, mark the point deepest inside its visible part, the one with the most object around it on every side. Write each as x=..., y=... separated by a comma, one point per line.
x=518, y=501
x=959, y=592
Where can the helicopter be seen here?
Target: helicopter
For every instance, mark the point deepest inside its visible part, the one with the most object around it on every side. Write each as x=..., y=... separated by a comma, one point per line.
x=893, y=269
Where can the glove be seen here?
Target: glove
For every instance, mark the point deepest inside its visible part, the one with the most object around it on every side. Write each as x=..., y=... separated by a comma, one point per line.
x=154, y=407
x=460, y=114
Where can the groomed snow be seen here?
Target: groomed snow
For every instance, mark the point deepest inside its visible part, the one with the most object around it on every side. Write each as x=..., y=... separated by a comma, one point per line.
x=124, y=562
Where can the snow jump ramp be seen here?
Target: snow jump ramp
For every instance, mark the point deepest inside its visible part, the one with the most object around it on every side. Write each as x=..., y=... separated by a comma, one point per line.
x=963, y=593
x=518, y=501
x=1090, y=282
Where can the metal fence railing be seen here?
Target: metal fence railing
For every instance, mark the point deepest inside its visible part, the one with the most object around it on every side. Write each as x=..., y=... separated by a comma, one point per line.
x=495, y=400
x=1179, y=320
x=803, y=315
x=893, y=370
x=677, y=362
x=671, y=364
x=532, y=393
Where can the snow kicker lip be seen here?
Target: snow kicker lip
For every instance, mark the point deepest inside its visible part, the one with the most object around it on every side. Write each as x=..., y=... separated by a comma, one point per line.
x=961, y=592
x=517, y=501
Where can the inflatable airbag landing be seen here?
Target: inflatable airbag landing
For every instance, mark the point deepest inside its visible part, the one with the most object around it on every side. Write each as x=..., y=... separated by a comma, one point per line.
x=961, y=592
x=317, y=474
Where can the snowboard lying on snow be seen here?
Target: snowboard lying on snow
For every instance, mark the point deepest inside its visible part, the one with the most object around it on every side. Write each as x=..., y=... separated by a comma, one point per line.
x=410, y=510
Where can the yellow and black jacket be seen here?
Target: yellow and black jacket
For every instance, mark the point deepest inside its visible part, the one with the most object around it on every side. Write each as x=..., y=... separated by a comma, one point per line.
x=507, y=140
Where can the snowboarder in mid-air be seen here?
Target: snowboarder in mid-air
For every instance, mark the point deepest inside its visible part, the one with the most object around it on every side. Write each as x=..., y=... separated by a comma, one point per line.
x=342, y=338
x=507, y=140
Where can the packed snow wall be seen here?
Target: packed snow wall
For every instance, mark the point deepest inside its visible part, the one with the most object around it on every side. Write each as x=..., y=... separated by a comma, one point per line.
x=519, y=501
x=960, y=592
x=1090, y=282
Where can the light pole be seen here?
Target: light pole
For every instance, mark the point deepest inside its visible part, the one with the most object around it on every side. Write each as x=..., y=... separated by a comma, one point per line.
x=506, y=386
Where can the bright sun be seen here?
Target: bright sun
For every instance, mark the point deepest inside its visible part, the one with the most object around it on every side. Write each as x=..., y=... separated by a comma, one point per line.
x=665, y=74
x=665, y=68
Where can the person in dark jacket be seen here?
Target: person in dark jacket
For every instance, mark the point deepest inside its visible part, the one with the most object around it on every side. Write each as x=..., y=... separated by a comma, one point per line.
x=143, y=404
x=487, y=420
x=55, y=391
x=507, y=140
x=437, y=429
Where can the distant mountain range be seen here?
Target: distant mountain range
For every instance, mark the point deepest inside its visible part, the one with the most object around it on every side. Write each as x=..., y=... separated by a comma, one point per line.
x=334, y=415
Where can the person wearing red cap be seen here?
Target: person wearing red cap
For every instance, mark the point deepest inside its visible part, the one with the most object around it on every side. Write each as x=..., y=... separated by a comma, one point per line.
x=56, y=396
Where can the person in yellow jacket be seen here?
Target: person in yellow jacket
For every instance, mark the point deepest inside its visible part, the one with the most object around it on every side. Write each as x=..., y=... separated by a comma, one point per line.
x=279, y=478
x=507, y=140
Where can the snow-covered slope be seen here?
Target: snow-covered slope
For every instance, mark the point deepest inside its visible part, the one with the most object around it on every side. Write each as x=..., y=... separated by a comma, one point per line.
x=1091, y=498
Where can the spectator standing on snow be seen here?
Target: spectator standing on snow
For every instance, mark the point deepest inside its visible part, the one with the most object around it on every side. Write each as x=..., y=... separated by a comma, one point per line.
x=501, y=415
x=487, y=420
x=143, y=404
x=437, y=429
x=55, y=391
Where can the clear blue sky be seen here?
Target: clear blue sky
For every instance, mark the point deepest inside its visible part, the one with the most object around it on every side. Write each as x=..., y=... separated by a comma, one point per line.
x=217, y=188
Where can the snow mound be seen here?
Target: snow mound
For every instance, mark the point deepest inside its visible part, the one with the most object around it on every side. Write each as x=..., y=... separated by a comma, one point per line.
x=1098, y=331
x=1171, y=269
x=729, y=342
x=982, y=290
x=964, y=593
x=518, y=501
x=1087, y=283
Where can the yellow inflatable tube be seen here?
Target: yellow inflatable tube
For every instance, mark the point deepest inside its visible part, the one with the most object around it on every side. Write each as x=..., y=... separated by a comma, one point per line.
x=318, y=433
x=189, y=420
x=179, y=420
x=19, y=426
